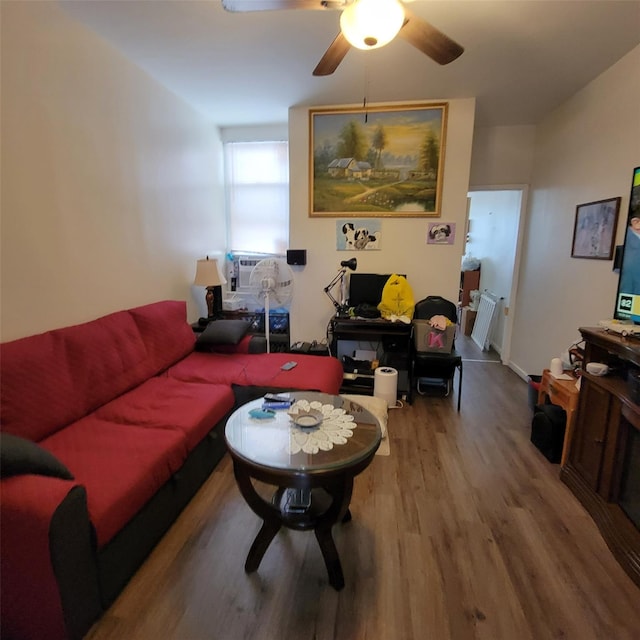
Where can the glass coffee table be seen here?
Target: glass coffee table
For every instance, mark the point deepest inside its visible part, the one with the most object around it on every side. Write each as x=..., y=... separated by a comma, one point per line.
x=311, y=466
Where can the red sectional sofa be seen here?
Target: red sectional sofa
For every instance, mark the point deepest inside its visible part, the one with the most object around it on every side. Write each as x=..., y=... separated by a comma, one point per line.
x=135, y=414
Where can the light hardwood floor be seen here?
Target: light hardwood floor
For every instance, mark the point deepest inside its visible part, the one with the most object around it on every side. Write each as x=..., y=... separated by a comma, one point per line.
x=463, y=532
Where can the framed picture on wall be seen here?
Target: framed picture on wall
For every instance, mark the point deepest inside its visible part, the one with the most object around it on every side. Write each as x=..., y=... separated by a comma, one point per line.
x=377, y=161
x=594, y=229
x=441, y=233
x=358, y=235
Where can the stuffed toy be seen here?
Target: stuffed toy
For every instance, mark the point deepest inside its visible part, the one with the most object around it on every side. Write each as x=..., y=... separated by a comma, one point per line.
x=397, y=300
x=440, y=322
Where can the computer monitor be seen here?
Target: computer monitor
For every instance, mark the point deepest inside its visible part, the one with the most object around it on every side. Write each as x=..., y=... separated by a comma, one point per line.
x=366, y=288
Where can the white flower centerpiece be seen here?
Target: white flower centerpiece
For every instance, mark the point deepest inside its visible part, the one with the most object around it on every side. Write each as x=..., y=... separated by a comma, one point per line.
x=318, y=427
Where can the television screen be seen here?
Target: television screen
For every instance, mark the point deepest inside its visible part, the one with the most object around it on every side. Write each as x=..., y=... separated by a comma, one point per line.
x=628, y=297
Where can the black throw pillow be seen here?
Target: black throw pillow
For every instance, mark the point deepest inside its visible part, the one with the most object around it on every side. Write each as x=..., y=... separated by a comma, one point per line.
x=19, y=456
x=224, y=332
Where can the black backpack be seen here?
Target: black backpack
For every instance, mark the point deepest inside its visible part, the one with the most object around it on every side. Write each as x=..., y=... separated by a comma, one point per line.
x=547, y=430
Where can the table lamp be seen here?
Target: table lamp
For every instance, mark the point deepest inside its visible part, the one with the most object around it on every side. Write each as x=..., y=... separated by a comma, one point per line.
x=339, y=277
x=208, y=275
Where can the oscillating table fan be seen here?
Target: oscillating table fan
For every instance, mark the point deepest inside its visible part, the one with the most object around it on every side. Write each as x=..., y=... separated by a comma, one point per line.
x=271, y=281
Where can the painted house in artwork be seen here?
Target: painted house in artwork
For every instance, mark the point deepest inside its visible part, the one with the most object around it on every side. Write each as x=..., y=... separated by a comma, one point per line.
x=349, y=168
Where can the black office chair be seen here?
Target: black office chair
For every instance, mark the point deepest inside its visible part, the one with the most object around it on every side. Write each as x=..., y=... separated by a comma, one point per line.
x=430, y=368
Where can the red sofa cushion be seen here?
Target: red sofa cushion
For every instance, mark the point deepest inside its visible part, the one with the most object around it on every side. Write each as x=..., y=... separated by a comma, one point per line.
x=52, y=379
x=121, y=466
x=28, y=505
x=165, y=403
x=165, y=332
x=313, y=372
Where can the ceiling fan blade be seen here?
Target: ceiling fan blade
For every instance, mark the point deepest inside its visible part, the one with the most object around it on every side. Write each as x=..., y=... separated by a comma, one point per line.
x=333, y=56
x=429, y=40
x=275, y=5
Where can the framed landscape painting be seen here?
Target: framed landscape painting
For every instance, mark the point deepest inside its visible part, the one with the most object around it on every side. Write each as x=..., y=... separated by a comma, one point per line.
x=377, y=161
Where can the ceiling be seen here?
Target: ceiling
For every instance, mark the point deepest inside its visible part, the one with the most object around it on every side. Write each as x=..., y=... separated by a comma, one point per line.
x=522, y=58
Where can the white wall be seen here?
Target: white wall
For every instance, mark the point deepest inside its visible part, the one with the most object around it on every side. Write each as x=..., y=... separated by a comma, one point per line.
x=585, y=151
x=111, y=185
x=430, y=269
x=112, y=188
x=502, y=155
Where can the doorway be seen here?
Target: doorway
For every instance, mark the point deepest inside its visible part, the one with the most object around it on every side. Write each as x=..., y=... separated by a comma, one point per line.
x=495, y=230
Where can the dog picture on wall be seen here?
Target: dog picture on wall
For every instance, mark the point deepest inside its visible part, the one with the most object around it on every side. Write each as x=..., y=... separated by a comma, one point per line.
x=441, y=233
x=358, y=235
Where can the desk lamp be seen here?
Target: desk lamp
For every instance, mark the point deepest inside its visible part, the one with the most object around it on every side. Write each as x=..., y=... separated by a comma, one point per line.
x=208, y=275
x=341, y=306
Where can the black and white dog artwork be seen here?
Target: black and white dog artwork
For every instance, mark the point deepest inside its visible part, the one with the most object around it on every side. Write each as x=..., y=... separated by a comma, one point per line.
x=440, y=233
x=360, y=238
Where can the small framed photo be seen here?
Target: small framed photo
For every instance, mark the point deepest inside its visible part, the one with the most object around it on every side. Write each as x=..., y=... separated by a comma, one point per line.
x=594, y=230
x=441, y=233
x=358, y=234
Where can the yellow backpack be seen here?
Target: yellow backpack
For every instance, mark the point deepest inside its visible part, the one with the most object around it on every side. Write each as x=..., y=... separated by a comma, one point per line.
x=397, y=298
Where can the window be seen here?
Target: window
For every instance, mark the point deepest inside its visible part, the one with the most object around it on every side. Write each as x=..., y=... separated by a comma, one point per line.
x=257, y=183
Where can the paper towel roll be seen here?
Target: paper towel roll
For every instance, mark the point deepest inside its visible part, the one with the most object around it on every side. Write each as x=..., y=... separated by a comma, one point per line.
x=556, y=367
x=385, y=385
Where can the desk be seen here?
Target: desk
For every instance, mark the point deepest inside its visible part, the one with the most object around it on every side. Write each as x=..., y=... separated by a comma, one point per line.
x=394, y=350
x=565, y=394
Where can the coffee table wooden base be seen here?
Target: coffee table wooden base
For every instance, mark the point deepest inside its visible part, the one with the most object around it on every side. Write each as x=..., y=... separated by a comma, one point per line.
x=329, y=505
x=312, y=491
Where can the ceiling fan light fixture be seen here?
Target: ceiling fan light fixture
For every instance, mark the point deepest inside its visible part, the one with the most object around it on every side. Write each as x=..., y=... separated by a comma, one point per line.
x=370, y=24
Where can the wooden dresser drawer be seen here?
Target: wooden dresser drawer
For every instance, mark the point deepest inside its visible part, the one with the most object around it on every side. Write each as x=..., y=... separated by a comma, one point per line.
x=558, y=394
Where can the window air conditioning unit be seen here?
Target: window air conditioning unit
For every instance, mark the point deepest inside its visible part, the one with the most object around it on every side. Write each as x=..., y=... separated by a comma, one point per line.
x=243, y=264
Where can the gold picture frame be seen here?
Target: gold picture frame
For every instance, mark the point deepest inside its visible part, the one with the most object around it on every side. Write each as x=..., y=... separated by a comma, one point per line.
x=383, y=161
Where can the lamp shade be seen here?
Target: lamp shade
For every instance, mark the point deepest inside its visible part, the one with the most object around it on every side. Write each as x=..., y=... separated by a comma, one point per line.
x=350, y=264
x=208, y=274
x=370, y=24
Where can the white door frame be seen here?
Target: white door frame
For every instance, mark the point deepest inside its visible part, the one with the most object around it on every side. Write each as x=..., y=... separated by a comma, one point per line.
x=505, y=355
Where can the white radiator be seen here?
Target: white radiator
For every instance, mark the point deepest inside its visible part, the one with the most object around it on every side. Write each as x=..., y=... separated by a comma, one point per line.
x=484, y=320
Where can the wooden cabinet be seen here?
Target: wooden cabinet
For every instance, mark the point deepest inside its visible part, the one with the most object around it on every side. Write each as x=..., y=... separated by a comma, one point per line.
x=588, y=441
x=606, y=432
x=469, y=281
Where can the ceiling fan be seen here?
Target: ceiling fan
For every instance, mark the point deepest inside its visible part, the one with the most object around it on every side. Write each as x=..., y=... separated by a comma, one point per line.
x=358, y=23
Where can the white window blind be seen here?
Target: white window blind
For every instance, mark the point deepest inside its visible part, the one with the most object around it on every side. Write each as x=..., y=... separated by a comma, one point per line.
x=257, y=183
